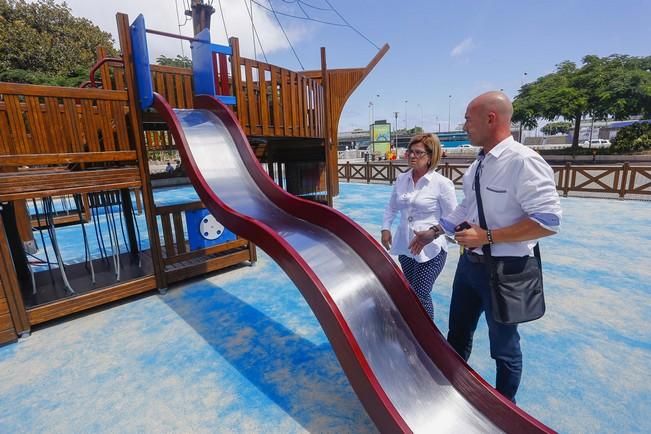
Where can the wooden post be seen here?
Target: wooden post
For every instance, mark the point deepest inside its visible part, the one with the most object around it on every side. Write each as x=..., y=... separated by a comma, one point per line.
x=280, y=174
x=138, y=194
x=200, y=14
x=327, y=133
x=24, y=224
x=625, y=173
x=253, y=255
x=566, y=182
x=14, y=244
x=368, y=172
x=9, y=282
x=127, y=212
x=138, y=138
x=104, y=71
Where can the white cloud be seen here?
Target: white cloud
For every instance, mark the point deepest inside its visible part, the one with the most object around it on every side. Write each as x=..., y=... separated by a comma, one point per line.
x=161, y=15
x=462, y=48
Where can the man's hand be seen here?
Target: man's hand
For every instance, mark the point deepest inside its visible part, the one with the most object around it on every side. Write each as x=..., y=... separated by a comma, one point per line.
x=471, y=238
x=386, y=239
x=423, y=238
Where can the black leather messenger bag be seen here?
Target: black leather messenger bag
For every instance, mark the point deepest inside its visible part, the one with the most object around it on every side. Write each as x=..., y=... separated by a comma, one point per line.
x=516, y=288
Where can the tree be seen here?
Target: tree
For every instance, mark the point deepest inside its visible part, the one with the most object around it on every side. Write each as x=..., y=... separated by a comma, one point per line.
x=178, y=61
x=636, y=137
x=554, y=128
x=43, y=43
x=617, y=86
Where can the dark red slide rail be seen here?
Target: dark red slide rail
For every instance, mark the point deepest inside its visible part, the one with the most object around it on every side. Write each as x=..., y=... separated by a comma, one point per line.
x=471, y=385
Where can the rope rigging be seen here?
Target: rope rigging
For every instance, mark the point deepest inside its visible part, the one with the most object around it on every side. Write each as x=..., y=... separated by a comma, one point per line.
x=178, y=22
x=307, y=17
x=349, y=25
x=301, y=4
x=221, y=11
x=286, y=37
x=255, y=32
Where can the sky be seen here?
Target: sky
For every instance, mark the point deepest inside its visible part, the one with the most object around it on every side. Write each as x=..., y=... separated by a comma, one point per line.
x=443, y=53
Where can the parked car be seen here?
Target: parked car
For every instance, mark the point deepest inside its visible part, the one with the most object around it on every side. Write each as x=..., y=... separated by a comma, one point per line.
x=596, y=143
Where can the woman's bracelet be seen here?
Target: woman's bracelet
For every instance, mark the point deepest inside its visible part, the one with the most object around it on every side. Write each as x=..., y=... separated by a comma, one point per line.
x=437, y=231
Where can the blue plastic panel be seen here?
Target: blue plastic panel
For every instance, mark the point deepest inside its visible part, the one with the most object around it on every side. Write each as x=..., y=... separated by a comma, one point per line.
x=228, y=100
x=141, y=63
x=223, y=49
x=204, y=231
x=202, y=66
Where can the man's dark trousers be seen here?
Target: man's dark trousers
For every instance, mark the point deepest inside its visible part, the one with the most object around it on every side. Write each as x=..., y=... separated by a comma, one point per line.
x=471, y=297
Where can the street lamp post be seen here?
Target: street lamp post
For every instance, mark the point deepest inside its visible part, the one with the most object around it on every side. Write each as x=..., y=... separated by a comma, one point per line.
x=406, y=101
x=449, y=111
x=522, y=80
x=422, y=123
x=395, y=134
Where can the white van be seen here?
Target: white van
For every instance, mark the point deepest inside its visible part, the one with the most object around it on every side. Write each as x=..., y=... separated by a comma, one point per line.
x=596, y=143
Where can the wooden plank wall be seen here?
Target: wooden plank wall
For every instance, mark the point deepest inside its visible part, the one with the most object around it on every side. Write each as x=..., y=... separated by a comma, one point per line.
x=52, y=121
x=51, y=128
x=277, y=102
x=173, y=83
x=341, y=83
x=271, y=101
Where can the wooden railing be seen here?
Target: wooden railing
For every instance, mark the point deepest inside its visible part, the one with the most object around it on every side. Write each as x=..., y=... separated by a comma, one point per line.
x=159, y=141
x=54, y=125
x=273, y=101
x=48, y=135
x=182, y=263
x=174, y=84
x=621, y=181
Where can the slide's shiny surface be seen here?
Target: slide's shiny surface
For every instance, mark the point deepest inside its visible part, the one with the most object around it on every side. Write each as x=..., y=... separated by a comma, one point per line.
x=420, y=393
x=369, y=331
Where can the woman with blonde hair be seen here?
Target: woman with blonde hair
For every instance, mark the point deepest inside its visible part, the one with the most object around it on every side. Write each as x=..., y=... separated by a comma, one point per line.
x=421, y=196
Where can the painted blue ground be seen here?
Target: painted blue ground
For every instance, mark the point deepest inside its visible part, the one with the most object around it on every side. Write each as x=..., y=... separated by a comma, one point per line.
x=97, y=230
x=241, y=351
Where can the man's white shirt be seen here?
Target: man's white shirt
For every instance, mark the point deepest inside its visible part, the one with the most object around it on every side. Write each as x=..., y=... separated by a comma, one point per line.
x=516, y=183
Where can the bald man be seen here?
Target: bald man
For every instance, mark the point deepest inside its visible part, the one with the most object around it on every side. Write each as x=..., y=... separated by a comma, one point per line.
x=520, y=204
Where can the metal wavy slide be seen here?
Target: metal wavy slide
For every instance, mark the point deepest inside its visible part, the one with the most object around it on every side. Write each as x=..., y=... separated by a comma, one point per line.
x=403, y=371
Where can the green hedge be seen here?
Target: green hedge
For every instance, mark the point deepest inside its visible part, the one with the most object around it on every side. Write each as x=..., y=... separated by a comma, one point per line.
x=634, y=138
x=73, y=79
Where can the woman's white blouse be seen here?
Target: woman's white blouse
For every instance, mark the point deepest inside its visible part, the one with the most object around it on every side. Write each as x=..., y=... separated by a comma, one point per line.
x=420, y=206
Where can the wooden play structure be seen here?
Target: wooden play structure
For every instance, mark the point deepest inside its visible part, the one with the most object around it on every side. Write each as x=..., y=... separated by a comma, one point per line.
x=76, y=160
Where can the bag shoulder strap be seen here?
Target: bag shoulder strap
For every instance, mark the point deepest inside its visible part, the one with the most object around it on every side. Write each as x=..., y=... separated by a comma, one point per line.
x=486, y=248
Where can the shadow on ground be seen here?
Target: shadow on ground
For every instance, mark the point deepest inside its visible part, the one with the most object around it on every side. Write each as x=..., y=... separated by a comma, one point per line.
x=302, y=378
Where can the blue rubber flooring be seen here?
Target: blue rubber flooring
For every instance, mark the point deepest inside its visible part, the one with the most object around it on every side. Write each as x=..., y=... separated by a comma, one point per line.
x=241, y=351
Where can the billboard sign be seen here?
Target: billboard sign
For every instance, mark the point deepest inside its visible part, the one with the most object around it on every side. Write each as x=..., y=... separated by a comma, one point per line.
x=381, y=137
